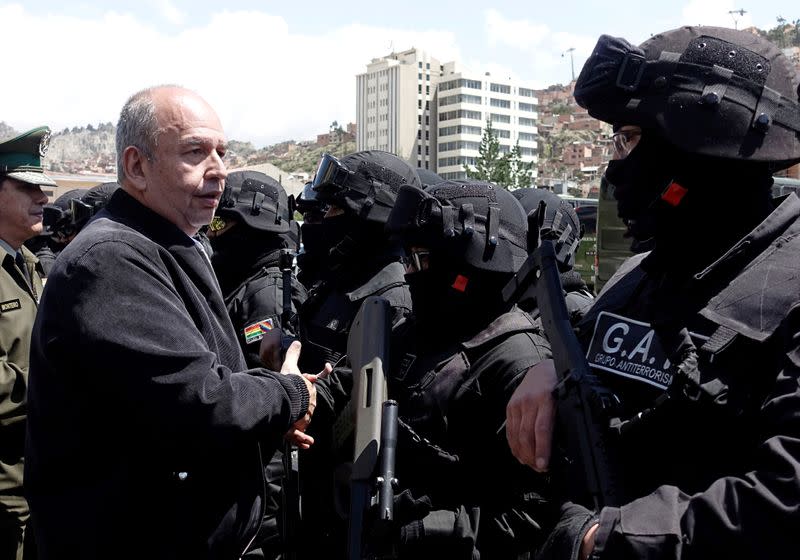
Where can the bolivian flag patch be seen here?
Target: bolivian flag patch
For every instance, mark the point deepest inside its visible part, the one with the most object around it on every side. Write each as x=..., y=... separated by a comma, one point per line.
x=256, y=331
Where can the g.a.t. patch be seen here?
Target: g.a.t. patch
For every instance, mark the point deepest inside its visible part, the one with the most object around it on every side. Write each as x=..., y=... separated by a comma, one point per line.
x=631, y=349
x=256, y=331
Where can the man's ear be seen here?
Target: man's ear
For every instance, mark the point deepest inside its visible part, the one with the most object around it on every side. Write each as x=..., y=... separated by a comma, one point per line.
x=133, y=162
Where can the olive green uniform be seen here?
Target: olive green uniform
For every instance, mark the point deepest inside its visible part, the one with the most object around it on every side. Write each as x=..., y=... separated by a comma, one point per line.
x=18, y=304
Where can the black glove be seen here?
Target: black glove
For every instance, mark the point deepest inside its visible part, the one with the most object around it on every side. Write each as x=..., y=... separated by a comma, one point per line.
x=564, y=542
x=407, y=521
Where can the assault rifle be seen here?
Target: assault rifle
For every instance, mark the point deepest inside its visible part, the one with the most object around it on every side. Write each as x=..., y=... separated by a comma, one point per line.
x=582, y=403
x=291, y=459
x=375, y=421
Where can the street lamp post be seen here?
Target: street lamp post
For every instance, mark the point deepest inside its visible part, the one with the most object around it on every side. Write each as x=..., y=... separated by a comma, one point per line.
x=571, y=61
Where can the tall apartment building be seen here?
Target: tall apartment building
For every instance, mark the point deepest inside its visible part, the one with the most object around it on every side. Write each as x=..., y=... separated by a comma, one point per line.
x=464, y=103
x=433, y=114
x=393, y=106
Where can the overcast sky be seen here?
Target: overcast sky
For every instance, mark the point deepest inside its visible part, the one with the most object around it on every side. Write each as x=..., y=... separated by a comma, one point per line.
x=277, y=70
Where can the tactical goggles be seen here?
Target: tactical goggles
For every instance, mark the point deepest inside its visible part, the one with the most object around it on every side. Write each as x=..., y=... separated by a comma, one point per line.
x=625, y=141
x=416, y=260
x=81, y=212
x=332, y=175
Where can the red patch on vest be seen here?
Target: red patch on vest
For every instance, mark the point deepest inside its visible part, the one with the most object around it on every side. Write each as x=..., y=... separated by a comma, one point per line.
x=673, y=194
x=460, y=283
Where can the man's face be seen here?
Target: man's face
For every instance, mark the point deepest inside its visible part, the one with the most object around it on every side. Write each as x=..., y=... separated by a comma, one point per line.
x=21, y=211
x=186, y=177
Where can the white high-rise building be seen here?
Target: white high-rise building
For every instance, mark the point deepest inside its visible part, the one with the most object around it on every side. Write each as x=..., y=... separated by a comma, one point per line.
x=394, y=106
x=464, y=102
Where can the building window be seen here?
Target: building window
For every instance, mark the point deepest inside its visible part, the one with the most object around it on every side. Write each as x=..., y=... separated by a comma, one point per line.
x=495, y=118
x=500, y=88
x=427, y=150
x=525, y=121
x=427, y=119
x=427, y=65
x=426, y=164
x=427, y=90
x=419, y=103
x=460, y=114
x=419, y=77
x=461, y=98
x=427, y=135
x=529, y=107
x=419, y=88
x=427, y=105
x=419, y=119
x=527, y=136
x=502, y=103
x=525, y=92
x=419, y=150
x=420, y=64
x=501, y=133
x=419, y=134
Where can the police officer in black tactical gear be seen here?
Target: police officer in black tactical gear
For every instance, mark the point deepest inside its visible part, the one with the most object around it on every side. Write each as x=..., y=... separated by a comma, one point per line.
x=360, y=259
x=254, y=238
x=313, y=253
x=252, y=227
x=700, y=338
x=461, y=493
x=560, y=224
x=59, y=229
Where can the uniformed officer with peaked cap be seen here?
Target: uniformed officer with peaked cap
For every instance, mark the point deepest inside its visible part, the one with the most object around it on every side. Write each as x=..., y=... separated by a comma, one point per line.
x=21, y=210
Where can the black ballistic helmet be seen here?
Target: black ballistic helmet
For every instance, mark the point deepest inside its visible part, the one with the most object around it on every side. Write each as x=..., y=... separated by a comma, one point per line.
x=363, y=183
x=428, y=178
x=474, y=222
x=92, y=202
x=706, y=90
x=258, y=201
x=58, y=217
x=560, y=223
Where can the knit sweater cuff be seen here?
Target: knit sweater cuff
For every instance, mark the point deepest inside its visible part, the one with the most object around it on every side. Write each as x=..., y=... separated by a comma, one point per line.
x=299, y=399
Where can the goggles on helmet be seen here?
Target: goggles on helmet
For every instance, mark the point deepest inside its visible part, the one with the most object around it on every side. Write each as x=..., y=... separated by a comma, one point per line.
x=332, y=175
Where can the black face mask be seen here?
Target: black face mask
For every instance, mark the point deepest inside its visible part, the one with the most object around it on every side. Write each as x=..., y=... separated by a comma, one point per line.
x=237, y=251
x=639, y=180
x=442, y=311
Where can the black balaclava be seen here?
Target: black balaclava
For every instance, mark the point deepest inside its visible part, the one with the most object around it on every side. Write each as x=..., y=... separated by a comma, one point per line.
x=311, y=260
x=453, y=300
x=240, y=252
x=683, y=202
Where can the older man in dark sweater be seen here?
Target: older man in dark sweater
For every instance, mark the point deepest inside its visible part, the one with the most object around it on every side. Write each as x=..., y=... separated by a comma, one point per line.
x=145, y=425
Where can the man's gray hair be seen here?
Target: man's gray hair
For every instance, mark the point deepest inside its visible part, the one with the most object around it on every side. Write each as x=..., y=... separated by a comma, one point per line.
x=138, y=126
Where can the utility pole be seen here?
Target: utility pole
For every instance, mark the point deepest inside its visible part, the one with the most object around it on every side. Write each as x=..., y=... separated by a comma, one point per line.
x=571, y=61
x=733, y=15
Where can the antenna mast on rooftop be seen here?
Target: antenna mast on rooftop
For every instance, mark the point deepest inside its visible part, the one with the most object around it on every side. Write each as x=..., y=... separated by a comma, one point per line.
x=733, y=15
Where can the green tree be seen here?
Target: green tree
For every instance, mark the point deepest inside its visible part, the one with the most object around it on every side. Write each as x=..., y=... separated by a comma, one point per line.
x=491, y=164
x=520, y=173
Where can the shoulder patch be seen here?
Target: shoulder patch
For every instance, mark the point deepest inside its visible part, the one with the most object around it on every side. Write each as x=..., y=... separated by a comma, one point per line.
x=10, y=305
x=257, y=330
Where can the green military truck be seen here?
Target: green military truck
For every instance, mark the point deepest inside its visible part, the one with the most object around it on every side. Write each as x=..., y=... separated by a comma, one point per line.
x=613, y=248
x=586, y=208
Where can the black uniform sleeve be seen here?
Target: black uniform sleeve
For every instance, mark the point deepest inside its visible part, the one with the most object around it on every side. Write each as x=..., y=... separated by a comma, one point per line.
x=146, y=348
x=752, y=516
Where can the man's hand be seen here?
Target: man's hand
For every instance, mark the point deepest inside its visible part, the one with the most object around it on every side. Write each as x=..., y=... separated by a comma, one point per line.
x=296, y=433
x=530, y=415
